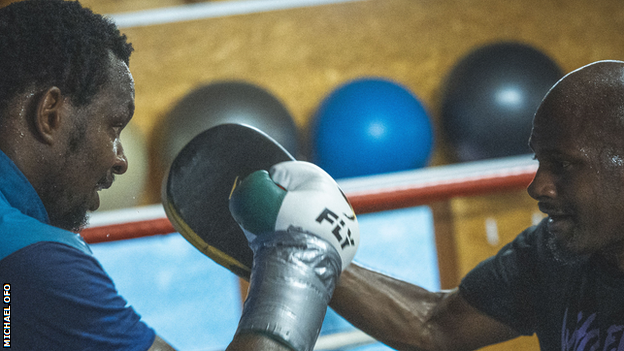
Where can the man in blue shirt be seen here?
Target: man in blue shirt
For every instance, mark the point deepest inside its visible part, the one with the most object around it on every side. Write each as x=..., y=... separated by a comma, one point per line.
x=66, y=93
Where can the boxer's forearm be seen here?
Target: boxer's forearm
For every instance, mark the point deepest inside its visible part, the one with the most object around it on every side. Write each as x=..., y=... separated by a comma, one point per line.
x=391, y=311
x=407, y=317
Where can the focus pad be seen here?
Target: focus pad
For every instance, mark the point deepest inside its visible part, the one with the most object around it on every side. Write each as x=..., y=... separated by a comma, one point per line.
x=196, y=190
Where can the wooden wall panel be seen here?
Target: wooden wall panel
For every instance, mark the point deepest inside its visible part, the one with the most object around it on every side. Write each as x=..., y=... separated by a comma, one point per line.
x=300, y=55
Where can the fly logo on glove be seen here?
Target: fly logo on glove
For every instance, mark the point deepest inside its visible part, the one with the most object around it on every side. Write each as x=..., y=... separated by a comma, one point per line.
x=331, y=217
x=296, y=195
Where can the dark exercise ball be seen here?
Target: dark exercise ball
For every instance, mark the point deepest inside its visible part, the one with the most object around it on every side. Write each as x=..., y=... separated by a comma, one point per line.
x=226, y=102
x=370, y=126
x=490, y=98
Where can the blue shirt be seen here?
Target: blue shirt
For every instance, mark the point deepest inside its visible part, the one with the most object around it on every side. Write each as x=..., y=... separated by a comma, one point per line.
x=56, y=296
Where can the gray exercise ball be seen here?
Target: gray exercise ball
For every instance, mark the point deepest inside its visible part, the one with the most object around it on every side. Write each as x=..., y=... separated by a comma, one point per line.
x=226, y=102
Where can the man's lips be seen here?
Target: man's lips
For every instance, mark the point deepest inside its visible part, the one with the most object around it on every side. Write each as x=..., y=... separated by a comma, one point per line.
x=560, y=222
x=554, y=211
x=103, y=184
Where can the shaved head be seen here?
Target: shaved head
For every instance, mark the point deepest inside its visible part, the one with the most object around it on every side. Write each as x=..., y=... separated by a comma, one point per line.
x=578, y=139
x=590, y=98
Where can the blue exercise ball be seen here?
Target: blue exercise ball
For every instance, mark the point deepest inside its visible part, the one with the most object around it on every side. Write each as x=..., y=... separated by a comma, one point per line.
x=490, y=97
x=370, y=126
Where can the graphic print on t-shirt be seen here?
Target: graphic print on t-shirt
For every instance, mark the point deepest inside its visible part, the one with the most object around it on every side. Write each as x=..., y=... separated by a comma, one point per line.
x=585, y=337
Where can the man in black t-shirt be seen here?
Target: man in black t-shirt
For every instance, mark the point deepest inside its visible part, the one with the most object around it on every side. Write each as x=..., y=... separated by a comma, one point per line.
x=562, y=280
x=570, y=304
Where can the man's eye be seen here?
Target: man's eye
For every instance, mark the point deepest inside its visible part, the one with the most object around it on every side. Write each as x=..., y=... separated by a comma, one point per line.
x=562, y=165
x=555, y=165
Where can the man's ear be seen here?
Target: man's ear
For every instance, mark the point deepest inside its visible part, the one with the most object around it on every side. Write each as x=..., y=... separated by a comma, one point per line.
x=48, y=114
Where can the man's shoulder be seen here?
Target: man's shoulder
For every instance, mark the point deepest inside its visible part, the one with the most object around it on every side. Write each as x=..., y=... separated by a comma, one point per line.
x=18, y=231
x=49, y=262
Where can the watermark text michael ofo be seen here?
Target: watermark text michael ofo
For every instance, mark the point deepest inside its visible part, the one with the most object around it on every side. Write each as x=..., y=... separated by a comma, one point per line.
x=6, y=315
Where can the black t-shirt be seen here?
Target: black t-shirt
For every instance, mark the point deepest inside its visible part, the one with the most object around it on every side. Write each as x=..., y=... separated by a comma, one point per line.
x=576, y=306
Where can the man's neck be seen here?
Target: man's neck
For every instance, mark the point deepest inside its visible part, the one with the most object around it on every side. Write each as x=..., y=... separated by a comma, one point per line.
x=614, y=256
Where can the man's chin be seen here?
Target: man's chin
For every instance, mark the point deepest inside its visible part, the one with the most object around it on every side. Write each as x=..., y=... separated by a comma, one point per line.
x=565, y=252
x=73, y=221
x=95, y=204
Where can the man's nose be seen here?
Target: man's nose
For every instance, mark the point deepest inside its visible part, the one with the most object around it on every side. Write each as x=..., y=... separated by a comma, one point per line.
x=121, y=161
x=543, y=185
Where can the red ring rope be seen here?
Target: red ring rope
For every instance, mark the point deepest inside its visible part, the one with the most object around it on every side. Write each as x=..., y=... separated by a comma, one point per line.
x=366, y=201
x=389, y=199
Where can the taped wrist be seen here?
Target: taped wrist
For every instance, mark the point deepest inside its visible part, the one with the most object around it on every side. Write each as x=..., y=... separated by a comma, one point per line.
x=292, y=281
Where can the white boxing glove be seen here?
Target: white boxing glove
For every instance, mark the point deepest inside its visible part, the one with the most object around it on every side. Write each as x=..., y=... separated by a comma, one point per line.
x=296, y=195
x=303, y=232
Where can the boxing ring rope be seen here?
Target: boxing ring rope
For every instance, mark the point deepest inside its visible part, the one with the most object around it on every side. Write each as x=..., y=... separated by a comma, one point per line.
x=366, y=194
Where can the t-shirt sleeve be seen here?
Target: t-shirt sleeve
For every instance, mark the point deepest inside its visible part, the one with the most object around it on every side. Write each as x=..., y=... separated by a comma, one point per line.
x=504, y=286
x=61, y=299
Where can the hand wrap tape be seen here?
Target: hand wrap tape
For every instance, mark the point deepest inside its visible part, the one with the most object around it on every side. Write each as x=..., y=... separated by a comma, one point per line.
x=292, y=281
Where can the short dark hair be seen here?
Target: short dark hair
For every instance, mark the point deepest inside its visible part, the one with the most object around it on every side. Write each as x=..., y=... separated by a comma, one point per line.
x=45, y=43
